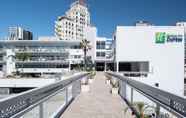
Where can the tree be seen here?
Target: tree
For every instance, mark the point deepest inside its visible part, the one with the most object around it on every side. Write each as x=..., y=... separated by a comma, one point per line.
x=141, y=108
x=85, y=46
x=23, y=56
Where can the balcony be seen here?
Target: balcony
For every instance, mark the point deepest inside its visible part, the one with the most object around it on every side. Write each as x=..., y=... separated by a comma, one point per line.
x=46, y=51
x=42, y=61
x=42, y=70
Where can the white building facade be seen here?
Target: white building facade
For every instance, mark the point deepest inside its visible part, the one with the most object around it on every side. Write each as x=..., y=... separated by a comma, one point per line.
x=39, y=57
x=153, y=55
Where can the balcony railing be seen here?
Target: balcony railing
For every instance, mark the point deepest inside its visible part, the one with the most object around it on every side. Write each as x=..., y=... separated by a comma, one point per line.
x=41, y=50
x=42, y=61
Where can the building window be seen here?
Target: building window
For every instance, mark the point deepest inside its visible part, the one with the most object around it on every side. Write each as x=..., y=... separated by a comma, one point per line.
x=100, y=45
x=134, y=69
x=100, y=54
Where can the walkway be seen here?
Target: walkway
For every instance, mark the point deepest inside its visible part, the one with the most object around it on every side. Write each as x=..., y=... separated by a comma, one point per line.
x=98, y=103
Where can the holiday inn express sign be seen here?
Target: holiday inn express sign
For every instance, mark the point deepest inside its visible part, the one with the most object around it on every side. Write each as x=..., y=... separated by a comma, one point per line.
x=163, y=37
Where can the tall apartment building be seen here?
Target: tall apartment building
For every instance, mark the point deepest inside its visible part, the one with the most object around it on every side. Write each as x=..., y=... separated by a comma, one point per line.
x=18, y=33
x=73, y=24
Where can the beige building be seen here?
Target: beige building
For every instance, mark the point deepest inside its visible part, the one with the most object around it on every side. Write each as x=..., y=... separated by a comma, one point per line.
x=72, y=25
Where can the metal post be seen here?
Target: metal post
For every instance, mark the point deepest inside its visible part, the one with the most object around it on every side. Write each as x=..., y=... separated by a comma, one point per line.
x=157, y=110
x=41, y=110
x=66, y=97
x=105, y=67
x=132, y=95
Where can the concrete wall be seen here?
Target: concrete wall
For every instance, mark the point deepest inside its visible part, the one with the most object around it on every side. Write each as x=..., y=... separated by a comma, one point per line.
x=166, y=60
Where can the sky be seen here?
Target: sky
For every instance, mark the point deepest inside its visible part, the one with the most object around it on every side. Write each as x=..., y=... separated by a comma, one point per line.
x=39, y=16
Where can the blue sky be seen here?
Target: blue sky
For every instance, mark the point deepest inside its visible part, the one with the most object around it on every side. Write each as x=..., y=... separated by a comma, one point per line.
x=39, y=15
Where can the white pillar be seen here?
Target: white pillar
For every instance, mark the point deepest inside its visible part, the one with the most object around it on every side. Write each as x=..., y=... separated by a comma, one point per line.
x=10, y=64
x=69, y=68
x=117, y=66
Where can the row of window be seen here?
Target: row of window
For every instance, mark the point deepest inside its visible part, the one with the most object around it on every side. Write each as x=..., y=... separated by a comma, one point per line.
x=71, y=24
x=76, y=56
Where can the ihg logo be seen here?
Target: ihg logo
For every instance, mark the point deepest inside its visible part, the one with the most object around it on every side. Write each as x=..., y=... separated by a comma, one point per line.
x=162, y=37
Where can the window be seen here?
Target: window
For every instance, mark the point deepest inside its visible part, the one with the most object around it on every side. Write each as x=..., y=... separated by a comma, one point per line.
x=134, y=69
x=100, y=45
x=100, y=54
x=134, y=66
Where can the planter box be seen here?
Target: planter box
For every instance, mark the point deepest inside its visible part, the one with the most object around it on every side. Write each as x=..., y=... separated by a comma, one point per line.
x=115, y=91
x=108, y=82
x=85, y=88
x=90, y=81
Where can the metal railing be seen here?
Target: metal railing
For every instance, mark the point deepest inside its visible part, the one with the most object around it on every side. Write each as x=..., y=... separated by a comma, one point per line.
x=22, y=104
x=41, y=50
x=171, y=102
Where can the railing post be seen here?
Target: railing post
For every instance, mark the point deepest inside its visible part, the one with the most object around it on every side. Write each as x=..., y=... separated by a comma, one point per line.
x=157, y=110
x=66, y=97
x=76, y=88
x=132, y=95
x=41, y=110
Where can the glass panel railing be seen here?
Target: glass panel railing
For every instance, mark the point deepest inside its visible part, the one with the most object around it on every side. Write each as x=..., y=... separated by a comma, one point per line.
x=34, y=113
x=52, y=105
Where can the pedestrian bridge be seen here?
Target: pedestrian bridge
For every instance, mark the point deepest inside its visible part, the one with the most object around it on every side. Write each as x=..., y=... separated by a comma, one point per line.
x=79, y=96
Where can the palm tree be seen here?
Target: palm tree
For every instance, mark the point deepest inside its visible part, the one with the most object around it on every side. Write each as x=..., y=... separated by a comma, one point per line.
x=141, y=108
x=85, y=45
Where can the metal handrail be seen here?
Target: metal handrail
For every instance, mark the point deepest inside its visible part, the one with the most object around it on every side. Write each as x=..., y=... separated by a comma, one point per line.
x=18, y=105
x=169, y=101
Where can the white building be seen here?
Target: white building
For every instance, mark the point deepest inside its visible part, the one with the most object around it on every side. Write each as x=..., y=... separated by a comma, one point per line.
x=39, y=56
x=101, y=51
x=18, y=33
x=73, y=24
x=153, y=55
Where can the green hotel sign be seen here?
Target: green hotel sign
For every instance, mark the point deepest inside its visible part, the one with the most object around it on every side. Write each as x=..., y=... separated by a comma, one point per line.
x=162, y=38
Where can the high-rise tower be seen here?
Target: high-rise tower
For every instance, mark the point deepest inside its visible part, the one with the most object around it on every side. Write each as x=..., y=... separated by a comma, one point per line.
x=72, y=25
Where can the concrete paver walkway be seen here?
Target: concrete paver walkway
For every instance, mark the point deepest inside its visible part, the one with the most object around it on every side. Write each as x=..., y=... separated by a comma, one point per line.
x=98, y=103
